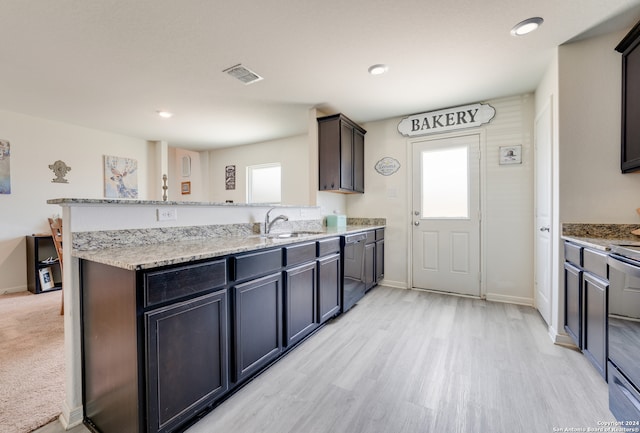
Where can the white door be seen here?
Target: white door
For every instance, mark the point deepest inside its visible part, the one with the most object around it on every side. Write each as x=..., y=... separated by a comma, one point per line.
x=446, y=214
x=543, y=159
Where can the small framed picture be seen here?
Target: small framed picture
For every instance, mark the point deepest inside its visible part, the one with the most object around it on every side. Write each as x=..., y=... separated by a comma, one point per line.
x=511, y=154
x=185, y=187
x=46, y=279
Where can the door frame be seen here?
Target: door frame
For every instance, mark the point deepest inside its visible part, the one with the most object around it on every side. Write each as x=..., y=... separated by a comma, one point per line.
x=409, y=219
x=553, y=299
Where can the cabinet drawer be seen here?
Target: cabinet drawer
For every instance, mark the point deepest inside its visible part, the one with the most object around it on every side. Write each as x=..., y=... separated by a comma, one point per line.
x=573, y=253
x=595, y=262
x=379, y=234
x=371, y=236
x=624, y=398
x=299, y=253
x=256, y=264
x=328, y=246
x=169, y=284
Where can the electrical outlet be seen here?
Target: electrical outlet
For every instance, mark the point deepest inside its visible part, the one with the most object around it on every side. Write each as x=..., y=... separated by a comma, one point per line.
x=167, y=214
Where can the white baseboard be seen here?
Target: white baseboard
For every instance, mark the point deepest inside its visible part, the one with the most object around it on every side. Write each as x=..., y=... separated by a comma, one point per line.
x=17, y=289
x=561, y=339
x=394, y=284
x=510, y=299
x=70, y=418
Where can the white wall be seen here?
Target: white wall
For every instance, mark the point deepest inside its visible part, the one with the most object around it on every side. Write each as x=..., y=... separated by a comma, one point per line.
x=592, y=188
x=199, y=179
x=36, y=143
x=293, y=155
x=585, y=82
x=507, y=255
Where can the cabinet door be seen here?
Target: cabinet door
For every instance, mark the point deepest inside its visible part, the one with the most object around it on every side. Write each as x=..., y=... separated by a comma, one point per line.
x=358, y=161
x=300, y=301
x=328, y=287
x=187, y=366
x=257, y=323
x=573, y=303
x=346, y=156
x=595, y=321
x=379, y=261
x=369, y=265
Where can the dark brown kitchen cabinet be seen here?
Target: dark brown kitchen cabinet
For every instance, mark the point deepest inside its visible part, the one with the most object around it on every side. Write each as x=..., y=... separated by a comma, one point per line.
x=187, y=359
x=379, y=255
x=301, y=294
x=154, y=344
x=329, y=279
x=257, y=324
x=630, y=137
x=373, y=258
x=586, y=287
x=573, y=303
x=341, y=154
x=595, y=324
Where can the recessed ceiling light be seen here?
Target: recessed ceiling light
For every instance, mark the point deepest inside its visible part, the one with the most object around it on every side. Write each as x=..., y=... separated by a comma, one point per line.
x=526, y=26
x=378, y=69
x=164, y=114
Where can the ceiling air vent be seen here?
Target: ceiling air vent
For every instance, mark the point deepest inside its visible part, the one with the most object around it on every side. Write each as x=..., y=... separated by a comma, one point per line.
x=243, y=74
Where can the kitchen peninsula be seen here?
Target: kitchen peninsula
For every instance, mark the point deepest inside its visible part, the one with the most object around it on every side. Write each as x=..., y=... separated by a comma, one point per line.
x=173, y=318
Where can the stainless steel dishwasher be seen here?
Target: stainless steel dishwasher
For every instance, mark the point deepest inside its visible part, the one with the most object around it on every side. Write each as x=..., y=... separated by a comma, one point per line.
x=623, y=327
x=353, y=286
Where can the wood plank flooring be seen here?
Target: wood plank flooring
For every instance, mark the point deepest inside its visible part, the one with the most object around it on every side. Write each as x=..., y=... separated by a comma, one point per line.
x=406, y=361
x=413, y=361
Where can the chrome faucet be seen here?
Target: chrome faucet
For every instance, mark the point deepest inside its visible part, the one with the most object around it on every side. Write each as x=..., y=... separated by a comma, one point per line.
x=268, y=224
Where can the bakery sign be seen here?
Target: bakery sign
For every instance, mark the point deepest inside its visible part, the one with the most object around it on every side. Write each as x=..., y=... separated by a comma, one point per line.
x=449, y=119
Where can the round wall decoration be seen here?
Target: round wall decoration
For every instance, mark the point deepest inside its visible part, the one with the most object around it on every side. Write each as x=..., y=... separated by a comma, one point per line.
x=387, y=166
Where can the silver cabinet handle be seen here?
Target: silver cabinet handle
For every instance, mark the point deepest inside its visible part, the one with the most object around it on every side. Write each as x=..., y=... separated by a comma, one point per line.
x=544, y=229
x=416, y=223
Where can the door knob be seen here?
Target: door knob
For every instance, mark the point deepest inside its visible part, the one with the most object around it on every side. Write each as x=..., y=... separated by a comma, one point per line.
x=544, y=229
x=416, y=223
x=416, y=212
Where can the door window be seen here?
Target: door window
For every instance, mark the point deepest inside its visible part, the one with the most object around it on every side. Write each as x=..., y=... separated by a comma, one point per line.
x=445, y=183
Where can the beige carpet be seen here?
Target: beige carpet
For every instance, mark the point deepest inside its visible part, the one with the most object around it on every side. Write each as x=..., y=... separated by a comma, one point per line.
x=31, y=360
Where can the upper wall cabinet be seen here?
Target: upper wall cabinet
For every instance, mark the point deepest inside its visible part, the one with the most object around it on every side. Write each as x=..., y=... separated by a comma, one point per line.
x=341, y=154
x=630, y=154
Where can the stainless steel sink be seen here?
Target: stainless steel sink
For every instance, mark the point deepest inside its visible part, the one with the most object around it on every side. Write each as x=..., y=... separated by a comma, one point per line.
x=296, y=234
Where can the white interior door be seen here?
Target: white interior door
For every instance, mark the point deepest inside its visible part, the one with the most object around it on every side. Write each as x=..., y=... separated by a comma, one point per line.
x=446, y=214
x=543, y=160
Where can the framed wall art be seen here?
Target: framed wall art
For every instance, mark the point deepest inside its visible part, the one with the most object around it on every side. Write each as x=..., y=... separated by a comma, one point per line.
x=120, y=177
x=185, y=188
x=511, y=154
x=5, y=167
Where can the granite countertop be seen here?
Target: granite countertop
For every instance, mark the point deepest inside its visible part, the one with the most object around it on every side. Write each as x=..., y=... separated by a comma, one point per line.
x=600, y=236
x=137, y=257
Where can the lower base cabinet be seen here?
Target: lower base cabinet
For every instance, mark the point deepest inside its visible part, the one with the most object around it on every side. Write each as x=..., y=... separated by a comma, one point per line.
x=258, y=324
x=328, y=287
x=187, y=359
x=161, y=346
x=300, y=300
x=573, y=303
x=586, y=288
x=595, y=325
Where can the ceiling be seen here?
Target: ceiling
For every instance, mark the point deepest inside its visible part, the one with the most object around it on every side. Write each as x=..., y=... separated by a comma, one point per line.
x=112, y=64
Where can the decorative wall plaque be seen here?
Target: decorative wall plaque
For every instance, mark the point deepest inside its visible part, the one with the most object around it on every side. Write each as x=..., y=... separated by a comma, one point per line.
x=449, y=119
x=230, y=177
x=387, y=166
x=60, y=169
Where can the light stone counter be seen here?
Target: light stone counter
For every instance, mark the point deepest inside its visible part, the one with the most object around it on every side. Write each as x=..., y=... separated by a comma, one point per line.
x=600, y=236
x=146, y=255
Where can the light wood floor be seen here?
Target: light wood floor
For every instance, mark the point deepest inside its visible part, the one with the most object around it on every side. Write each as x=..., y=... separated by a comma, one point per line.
x=413, y=361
